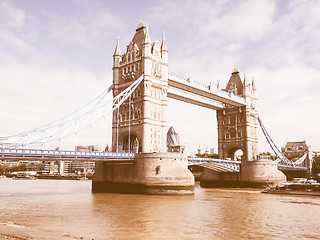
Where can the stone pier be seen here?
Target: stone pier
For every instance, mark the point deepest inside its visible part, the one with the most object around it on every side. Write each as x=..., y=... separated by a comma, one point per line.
x=149, y=173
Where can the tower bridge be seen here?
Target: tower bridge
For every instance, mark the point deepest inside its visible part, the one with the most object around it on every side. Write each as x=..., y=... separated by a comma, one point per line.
x=141, y=85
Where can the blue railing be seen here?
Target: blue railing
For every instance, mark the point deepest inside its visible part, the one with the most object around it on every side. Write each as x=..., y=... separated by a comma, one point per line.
x=10, y=152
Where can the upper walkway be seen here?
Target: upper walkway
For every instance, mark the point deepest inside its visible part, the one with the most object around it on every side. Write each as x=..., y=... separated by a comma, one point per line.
x=201, y=94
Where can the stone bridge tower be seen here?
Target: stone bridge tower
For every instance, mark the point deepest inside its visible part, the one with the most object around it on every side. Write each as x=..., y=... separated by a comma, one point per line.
x=140, y=124
x=237, y=126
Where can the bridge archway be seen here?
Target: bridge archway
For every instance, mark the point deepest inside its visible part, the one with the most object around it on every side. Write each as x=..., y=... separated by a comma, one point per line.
x=236, y=154
x=133, y=140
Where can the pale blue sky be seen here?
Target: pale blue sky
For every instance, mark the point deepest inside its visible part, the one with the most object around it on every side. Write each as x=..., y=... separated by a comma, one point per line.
x=57, y=55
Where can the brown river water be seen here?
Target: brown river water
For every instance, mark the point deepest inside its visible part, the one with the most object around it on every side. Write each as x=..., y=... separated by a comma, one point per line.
x=58, y=209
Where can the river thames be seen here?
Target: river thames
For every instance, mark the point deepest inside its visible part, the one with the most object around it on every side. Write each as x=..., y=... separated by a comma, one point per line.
x=57, y=209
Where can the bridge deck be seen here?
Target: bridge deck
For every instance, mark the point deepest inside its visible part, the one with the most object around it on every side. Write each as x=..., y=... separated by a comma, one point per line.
x=52, y=155
x=65, y=155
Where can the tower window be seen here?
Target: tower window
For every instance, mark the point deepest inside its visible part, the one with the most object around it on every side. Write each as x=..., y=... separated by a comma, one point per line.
x=227, y=135
x=224, y=121
x=232, y=120
x=233, y=134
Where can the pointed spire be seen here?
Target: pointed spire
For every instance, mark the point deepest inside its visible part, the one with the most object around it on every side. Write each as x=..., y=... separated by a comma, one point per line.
x=235, y=71
x=117, y=51
x=253, y=84
x=146, y=36
x=244, y=80
x=140, y=25
x=163, y=44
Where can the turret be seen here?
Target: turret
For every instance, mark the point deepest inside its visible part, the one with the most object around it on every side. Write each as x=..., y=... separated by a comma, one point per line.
x=164, y=49
x=245, y=86
x=116, y=62
x=235, y=85
x=117, y=55
x=253, y=85
x=146, y=44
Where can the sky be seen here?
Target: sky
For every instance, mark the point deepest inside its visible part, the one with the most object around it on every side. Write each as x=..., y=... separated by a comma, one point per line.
x=56, y=56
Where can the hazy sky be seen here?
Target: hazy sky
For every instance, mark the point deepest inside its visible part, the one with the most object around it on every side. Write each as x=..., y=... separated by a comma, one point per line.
x=55, y=56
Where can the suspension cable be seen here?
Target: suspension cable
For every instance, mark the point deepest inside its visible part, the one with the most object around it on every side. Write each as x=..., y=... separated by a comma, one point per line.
x=87, y=116
x=276, y=150
x=129, y=143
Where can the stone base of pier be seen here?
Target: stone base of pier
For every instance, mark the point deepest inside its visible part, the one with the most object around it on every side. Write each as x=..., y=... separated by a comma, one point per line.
x=149, y=173
x=252, y=174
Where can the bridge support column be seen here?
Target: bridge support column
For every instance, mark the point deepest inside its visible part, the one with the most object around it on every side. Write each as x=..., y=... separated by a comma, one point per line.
x=237, y=130
x=262, y=173
x=150, y=173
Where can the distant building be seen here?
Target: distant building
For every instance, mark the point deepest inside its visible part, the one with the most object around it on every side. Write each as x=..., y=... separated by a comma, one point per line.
x=199, y=149
x=173, y=141
x=212, y=150
x=316, y=153
x=88, y=148
x=295, y=150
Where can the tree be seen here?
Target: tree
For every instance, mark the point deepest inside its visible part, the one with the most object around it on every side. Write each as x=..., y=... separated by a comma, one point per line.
x=8, y=169
x=207, y=155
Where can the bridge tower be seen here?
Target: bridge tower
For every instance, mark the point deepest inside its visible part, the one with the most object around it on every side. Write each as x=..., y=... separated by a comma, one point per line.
x=237, y=129
x=237, y=126
x=140, y=124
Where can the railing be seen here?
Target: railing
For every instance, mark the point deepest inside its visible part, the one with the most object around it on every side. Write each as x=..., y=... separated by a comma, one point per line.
x=235, y=165
x=5, y=152
x=205, y=160
x=292, y=167
x=207, y=88
x=195, y=161
x=195, y=97
x=96, y=156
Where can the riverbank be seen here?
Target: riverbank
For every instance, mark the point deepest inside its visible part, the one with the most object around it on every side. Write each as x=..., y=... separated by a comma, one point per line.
x=8, y=237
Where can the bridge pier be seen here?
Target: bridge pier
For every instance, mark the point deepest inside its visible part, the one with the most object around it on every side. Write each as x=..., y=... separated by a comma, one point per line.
x=150, y=173
x=261, y=173
x=295, y=174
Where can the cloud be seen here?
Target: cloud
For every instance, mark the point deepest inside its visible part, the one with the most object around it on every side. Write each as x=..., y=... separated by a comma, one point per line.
x=10, y=41
x=287, y=103
x=295, y=37
x=85, y=30
x=11, y=16
x=33, y=96
x=276, y=42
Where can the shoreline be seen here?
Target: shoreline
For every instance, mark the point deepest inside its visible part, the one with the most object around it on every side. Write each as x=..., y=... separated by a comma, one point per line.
x=10, y=237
